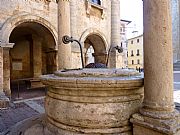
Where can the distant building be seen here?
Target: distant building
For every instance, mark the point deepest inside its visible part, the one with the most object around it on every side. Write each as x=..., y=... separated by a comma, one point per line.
x=123, y=34
x=175, y=6
x=135, y=52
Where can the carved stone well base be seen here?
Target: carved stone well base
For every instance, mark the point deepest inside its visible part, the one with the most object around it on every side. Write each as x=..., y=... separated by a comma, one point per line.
x=92, y=101
x=87, y=102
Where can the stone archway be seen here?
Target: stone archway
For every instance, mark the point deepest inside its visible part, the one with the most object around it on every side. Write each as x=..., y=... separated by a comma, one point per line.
x=27, y=29
x=33, y=54
x=95, y=45
x=34, y=51
x=20, y=18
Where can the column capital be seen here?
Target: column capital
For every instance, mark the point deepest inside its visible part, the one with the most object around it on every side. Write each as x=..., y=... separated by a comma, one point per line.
x=115, y=0
x=7, y=45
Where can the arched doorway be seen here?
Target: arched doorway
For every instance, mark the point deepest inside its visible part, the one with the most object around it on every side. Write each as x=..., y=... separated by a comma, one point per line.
x=34, y=52
x=95, y=49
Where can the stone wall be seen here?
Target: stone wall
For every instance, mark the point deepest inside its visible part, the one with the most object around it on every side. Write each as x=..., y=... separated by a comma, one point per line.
x=97, y=17
x=88, y=19
x=42, y=8
x=20, y=58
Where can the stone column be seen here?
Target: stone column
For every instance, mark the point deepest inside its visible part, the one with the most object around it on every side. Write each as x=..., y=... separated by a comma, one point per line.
x=6, y=69
x=100, y=57
x=115, y=31
x=37, y=56
x=64, y=50
x=73, y=16
x=1, y=69
x=158, y=116
x=74, y=30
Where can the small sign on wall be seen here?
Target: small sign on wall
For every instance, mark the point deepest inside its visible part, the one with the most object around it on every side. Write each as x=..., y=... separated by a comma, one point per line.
x=17, y=65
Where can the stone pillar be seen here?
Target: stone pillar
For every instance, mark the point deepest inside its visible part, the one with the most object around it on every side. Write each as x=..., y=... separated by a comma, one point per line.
x=157, y=116
x=100, y=57
x=64, y=50
x=4, y=74
x=74, y=30
x=37, y=56
x=115, y=31
x=1, y=69
x=73, y=15
x=6, y=70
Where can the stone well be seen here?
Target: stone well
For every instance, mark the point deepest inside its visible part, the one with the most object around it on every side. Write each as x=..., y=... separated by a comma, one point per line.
x=92, y=101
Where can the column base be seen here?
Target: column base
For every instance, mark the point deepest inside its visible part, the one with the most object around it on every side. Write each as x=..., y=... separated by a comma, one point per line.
x=69, y=130
x=4, y=101
x=143, y=125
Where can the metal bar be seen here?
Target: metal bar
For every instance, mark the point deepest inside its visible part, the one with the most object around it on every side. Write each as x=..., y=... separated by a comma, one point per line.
x=81, y=52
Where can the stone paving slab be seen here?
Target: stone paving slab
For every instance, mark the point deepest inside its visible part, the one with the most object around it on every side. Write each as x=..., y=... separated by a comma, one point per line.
x=35, y=106
x=18, y=112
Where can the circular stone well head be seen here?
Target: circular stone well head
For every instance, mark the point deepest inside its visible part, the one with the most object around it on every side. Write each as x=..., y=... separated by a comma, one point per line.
x=97, y=72
x=92, y=101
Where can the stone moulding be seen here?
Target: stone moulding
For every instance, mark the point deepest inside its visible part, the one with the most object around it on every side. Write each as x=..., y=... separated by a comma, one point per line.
x=20, y=18
x=159, y=126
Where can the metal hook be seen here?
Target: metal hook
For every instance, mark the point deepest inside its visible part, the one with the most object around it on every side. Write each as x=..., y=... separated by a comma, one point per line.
x=66, y=39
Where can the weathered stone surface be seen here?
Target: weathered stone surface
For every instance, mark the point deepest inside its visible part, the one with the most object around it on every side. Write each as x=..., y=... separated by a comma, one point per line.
x=92, y=101
x=22, y=20
x=152, y=126
x=157, y=115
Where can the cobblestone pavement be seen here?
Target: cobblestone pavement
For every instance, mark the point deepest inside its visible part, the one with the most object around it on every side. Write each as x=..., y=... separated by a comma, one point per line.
x=19, y=111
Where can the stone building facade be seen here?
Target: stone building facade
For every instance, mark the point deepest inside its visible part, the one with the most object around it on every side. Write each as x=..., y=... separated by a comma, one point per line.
x=124, y=44
x=135, y=52
x=29, y=36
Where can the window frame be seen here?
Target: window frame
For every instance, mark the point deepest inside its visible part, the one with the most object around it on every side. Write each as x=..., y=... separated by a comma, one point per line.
x=90, y=4
x=138, y=61
x=138, y=52
x=132, y=53
x=132, y=62
x=138, y=40
x=93, y=2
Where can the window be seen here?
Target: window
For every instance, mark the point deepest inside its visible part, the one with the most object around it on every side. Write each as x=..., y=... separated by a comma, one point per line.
x=127, y=54
x=137, y=40
x=121, y=29
x=132, y=62
x=92, y=6
x=98, y=2
x=132, y=42
x=138, y=61
x=138, y=52
x=132, y=53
